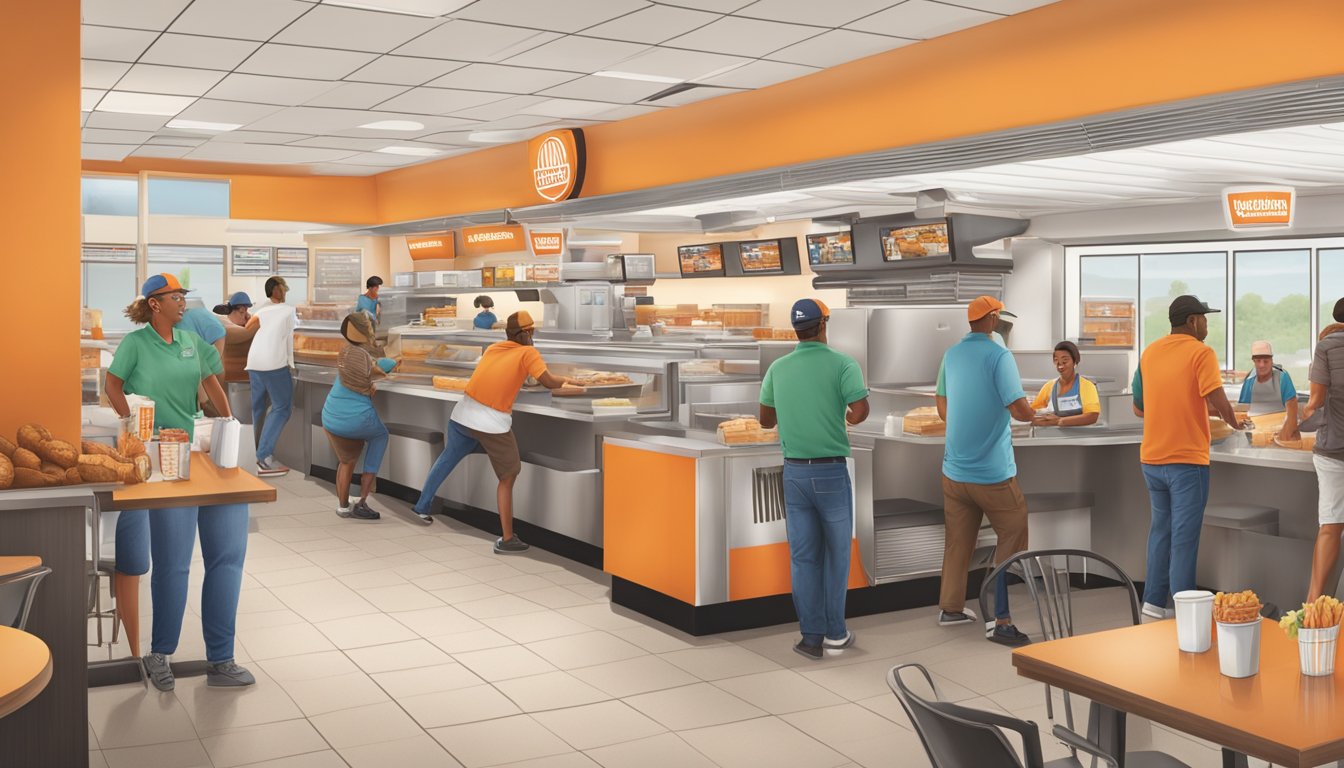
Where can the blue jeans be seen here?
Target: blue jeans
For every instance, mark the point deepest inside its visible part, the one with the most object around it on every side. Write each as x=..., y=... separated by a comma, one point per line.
x=459, y=445
x=364, y=426
x=1178, y=493
x=819, y=519
x=169, y=536
x=277, y=388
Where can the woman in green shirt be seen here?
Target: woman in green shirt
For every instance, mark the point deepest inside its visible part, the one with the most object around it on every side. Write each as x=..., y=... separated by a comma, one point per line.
x=166, y=364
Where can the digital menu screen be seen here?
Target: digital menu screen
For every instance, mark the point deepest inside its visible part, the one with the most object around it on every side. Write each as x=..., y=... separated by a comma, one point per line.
x=916, y=241
x=761, y=256
x=701, y=259
x=830, y=248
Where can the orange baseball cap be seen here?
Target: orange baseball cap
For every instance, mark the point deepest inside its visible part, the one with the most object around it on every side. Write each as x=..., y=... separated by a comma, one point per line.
x=518, y=321
x=983, y=305
x=161, y=283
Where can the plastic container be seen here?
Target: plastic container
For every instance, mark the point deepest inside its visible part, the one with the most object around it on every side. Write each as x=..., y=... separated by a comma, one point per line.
x=1316, y=650
x=1194, y=620
x=1239, y=649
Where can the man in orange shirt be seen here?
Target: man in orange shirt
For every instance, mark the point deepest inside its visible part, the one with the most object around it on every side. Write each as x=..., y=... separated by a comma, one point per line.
x=1177, y=385
x=484, y=420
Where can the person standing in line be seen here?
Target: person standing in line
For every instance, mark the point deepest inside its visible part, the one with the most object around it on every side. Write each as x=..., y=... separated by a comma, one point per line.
x=368, y=301
x=979, y=387
x=349, y=418
x=269, y=362
x=483, y=419
x=812, y=394
x=1177, y=385
x=1327, y=392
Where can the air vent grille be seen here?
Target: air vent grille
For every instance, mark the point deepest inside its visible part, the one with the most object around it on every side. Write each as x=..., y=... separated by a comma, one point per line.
x=767, y=494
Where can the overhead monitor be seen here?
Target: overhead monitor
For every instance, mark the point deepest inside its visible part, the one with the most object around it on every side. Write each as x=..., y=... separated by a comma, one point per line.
x=701, y=260
x=761, y=257
x=830, y=248
x=915, y=241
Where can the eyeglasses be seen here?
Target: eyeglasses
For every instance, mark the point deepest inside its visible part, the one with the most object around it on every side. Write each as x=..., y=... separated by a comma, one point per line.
x=180, y=298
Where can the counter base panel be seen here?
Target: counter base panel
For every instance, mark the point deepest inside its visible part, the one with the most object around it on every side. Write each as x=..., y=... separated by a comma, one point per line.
x=764, y=570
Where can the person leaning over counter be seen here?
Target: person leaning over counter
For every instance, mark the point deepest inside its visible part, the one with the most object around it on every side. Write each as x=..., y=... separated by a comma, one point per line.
x=349, y=418
x=269, y=361
x=237, y=310
x=1072, y=399
x=1176, y=386
x=1327, y=391
x=485, y=319
x=166, y=364
x=208, y=327
x=484, y=419
x=979, y=387
x=369, y=301
x=812, y=393
x=1270, y=385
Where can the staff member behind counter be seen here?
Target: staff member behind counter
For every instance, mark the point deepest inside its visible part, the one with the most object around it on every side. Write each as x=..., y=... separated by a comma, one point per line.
x=1271, y=386
x=1072, y=399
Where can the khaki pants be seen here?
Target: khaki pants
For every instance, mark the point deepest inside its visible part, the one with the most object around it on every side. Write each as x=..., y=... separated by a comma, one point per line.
x=964, y=504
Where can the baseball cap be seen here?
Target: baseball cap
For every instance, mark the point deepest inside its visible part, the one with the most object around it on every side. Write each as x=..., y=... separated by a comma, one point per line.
x=240, y=299
x=1182, y=307
x=983, y=305
x=1261, y=349
x=161, y=283
x=518, y=321
x=807, y=313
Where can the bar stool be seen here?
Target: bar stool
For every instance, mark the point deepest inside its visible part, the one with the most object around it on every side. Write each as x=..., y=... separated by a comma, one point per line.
x=1224, y=553
x=19, y=577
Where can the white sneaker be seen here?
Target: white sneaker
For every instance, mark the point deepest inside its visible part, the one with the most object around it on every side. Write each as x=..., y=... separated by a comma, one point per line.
x=1154, y=612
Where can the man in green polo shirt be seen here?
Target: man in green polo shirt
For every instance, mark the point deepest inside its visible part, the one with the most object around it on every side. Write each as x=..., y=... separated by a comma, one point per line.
x=811, y=393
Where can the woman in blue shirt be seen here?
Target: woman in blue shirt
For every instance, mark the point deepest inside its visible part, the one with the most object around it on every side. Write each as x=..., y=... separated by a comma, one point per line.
x=485, y=319
x=349, y=418
x=368, y=301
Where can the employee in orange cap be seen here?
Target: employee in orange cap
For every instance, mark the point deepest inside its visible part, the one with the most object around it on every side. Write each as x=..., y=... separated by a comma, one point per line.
x=484, y=420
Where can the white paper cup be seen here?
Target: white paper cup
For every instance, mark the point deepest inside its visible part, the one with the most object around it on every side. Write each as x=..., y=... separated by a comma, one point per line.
x=1239, y=648
x=1194, y=620
x=1316, y=650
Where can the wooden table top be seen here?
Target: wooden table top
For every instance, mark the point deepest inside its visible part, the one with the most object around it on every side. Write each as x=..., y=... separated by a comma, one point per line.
x=13, y=564
x=208, y=485
x=26, y=669
x=1279, y=715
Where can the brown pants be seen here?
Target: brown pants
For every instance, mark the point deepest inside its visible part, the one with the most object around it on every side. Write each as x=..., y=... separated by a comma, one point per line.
x=964, y=504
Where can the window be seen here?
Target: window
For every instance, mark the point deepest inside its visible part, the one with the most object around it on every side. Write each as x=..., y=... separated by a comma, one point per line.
x=1164, y=276
x=188, y=197
x=107, y=273
x=109, y=195
x=1109, y=291
x=198, y=267
x=1330, y=272
x=1273, y=303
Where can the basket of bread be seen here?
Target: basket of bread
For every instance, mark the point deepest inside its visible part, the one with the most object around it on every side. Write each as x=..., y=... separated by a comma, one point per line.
x=924, y=422
x=745, y=431
x=36, y=459
x=1237, y=615
x=1316, y=627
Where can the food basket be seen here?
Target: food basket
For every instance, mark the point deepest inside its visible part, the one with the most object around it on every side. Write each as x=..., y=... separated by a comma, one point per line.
x=924, y=422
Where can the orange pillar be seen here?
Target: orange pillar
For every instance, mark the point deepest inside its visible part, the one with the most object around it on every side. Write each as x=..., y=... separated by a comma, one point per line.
x=39, y=214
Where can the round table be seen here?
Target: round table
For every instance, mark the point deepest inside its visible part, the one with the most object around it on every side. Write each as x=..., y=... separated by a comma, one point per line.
x=25, y=669
x=10, y=565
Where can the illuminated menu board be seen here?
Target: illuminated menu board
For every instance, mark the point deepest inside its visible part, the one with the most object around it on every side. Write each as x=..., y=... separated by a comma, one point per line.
x=700, y=260
x=761, y=256
x=916, y=241
x=830, y=248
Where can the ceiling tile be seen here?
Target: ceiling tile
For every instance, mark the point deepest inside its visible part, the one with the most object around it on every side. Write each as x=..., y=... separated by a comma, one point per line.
x=112, y=136
x=339, y=169
x=500, y=109
x=126, y=122
x=101, y=74
x=403, y=70
x=606, y=89
x=432, y=125
x=342, y=142
x=310, y=120
x=923, y=19
x=161, y=150
x=813, y=12
x=745, y=37
x=172, y=138
x=578, y=54
x=330, y=26
x=716, y=6
x=154, y=78
x=695, y=94
x=567, y=16
x=413, y=7
x=652, y=25
x=265, y=153
x=474, y=41
x=357, y=95
x=258, y=137
x=216, y=111
x=141, y=14
x=131, y=102
x=240, y=19
x=301, y=61
x=759, y=74
x=837, y=47
x=567, y=108
x=284, y=91
x=682, y=65
x=621, y=113
x=439, y=101
x=516, y=122
x=106, y=151
x=112, y=44
x=503, y=79
x=385, y=160
x=450, y=138
x=197, y=51
x=89, y=97
x=1004, y=6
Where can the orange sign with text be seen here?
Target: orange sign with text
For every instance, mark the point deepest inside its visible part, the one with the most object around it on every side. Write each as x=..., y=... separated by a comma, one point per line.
x=438, y=246
x=558, y=162
x=1256, y=207
x=546, y=243
x=500, y=238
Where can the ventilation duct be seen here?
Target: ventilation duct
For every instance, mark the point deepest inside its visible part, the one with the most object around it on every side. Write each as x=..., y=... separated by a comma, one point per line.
x=729, y=221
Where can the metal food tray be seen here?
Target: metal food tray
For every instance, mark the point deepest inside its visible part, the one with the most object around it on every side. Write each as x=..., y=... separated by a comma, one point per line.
x=634, y=389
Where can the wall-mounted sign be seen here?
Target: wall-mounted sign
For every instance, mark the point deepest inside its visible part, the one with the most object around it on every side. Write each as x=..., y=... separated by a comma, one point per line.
x=338, y=275
x=558, y=159
x=546, y=243
x=438, y=246
x=501, y=238
x=251, y=260
x=291, y=262
x=1258, y=207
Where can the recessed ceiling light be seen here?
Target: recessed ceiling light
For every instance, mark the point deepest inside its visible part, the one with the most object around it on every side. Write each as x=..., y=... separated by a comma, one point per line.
x=638, y=76
x=127, y=102
x=202, y=125
x=496, y=137
x=412, y=151
x=394, y=125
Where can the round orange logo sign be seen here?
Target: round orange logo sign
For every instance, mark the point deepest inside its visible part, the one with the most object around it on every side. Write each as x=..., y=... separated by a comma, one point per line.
x=558, y=160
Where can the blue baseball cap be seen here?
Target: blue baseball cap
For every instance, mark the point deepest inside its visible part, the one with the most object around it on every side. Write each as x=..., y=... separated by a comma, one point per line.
x=240, y=299
x=160, y=283
x=807, y=313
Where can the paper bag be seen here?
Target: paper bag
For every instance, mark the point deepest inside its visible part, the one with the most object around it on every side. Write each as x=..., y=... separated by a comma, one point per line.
x=224, y=437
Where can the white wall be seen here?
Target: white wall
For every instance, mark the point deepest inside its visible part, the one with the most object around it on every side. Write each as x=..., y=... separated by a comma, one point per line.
x=1030, y=294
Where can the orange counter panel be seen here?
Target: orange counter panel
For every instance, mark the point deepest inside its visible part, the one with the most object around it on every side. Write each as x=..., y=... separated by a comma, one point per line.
x=764, y=570
x=649, y=519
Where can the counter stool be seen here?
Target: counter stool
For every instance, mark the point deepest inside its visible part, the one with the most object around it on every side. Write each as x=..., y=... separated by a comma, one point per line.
x=19, y=577
x=1224, y=551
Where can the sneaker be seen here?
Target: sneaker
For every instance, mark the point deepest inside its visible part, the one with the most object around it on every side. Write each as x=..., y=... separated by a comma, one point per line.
x=842, y=643
x=511, y=547
x=949, y=618
x=268, y=467
x=227, y=674
x=1154, y=612
x=159, y=671
x=812, y=652
x=425, y=517
x=343, y=511
x=1007, y=634
x=362, y=511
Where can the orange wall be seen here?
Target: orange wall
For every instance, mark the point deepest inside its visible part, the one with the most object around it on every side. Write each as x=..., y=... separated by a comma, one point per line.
x=39, y=152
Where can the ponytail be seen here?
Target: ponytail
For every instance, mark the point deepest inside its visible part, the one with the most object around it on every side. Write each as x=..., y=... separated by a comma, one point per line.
x=139, y=312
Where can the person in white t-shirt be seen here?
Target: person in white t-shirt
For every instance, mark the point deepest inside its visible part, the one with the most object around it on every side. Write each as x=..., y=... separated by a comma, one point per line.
x=268, y=369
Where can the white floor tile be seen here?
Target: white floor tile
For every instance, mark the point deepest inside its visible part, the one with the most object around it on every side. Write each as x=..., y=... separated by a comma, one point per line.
x=421, y=680
x=330, y=694
x=308, y=666
x=433, y=622
x=496, y=742
x=694, y=706
x=370, y=724
x=96, y=759
x=504, y=663
x=218, y=709
x=585, y=650
x=324, y=759
x=567, y=760
x=531, y=627
x=551, y=690
x=720, y=661
x=780, y=691
x=131, y=716
x=474, y=640
x=285, y=640
x=363, y=631
x=242, y=746
x=764, y=741
x=598, y=725
x=182, y=754
x=553, y=596
x=499, y=605
x=400, y=597
x=666, y=750
x=394, y=656
x=642, y=674
x=420, y=751
x=465, y=705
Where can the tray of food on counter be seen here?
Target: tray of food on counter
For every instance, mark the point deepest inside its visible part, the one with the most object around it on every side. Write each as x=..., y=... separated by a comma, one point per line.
x=614, y=406
x=924, y=422
x=746, y=430
x=318, y=347
x=604, y=384
x=36, y=459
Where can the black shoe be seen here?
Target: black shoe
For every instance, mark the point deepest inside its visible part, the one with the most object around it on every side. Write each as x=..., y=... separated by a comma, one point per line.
x=812, y=652
x=511, y=547
x=362, y=511
x=1007, y=634
x=949, y=618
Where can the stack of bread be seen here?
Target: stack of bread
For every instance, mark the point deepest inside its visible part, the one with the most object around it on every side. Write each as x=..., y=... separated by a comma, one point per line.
x=1219, y=429
x=924, y=421
x=39, y=460
x=451, y=383
x=745, y=431
x=431, y=315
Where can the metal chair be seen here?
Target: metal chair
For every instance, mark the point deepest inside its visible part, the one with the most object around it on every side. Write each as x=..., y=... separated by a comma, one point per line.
x=16, y=595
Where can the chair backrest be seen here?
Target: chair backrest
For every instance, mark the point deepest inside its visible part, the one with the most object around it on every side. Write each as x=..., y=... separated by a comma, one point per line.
x=950, y=741
x=1053, y=577
x=16, y=596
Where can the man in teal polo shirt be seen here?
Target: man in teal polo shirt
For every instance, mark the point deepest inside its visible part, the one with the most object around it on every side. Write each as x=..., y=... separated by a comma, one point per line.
x=811, y=394
x=978, y=389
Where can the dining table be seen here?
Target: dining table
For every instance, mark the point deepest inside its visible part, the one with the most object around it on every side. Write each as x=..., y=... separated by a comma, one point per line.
x=25, y=669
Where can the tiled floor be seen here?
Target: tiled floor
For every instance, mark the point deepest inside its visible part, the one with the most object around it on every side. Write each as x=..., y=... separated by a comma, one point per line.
x=395, y=645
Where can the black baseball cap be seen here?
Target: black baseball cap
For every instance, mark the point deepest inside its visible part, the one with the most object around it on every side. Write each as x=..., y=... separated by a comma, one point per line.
x=1182, y=307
